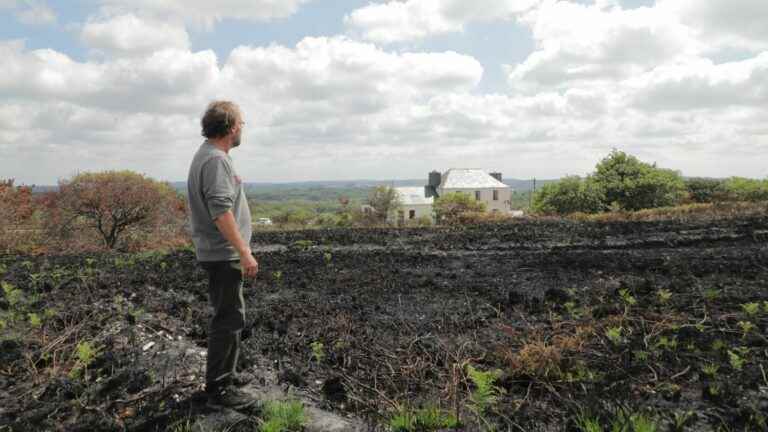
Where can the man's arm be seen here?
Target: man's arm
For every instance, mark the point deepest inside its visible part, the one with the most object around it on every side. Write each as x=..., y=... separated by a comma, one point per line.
x=227, y=226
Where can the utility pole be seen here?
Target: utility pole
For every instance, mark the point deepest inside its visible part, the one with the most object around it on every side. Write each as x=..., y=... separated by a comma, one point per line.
x=530, y=197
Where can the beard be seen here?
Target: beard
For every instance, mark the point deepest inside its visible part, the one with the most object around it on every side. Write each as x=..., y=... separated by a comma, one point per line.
x=236, y=141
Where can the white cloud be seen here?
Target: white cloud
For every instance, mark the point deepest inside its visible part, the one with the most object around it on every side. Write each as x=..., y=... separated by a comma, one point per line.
x=329, y=68
x=701, y=84
x=397, y=21
x=206, y=12
x=168, y=79
x=599, y=77
x=738, y=24
x=320, y=96
x=131, y=35
x=36, y=13
x=30, y=12
x=580, y=44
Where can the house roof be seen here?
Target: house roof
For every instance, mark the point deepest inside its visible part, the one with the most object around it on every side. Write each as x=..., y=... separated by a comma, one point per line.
x=469, y=178
x=413, y=196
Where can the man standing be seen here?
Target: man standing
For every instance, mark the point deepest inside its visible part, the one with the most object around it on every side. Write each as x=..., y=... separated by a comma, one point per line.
x=221, y=231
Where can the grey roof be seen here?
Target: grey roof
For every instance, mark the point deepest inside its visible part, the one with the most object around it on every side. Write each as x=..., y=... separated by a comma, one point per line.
x=413, y=196
x=469, y=178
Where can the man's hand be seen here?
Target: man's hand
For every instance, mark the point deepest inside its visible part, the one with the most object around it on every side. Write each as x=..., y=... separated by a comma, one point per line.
x=249, y=265
x=228, y=228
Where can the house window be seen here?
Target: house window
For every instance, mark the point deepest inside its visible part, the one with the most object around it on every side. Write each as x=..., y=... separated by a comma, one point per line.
x=477, y=195
x=495, y=195
x=411, y=214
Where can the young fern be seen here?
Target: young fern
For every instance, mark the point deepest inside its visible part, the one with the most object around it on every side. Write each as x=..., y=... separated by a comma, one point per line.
x=485, y=395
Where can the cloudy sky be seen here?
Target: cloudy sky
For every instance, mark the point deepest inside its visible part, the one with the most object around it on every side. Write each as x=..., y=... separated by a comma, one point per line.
x=359, y=89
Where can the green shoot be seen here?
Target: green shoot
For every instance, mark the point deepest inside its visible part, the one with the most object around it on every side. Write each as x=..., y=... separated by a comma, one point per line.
x=486, y=393
x=718, y=345
x=680, y=420
x=664, y=296
x=751, y=309
x=642, y=423
x=285, y=416
x=710, y=369
x=403, y=421
x=736, y=361
x=34, y=320
x=588, y=424
x=711, y=294
x=86, y=354
x=627, y=297
x=666, y=343
x=12, y=294
x=637, y=422
x=746, y=327
x=614, y=335
x=432, y=418
x=318, y=351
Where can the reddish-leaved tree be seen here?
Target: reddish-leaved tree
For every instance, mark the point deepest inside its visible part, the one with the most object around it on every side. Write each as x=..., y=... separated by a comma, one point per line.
x=17, y=208
x=114, y=202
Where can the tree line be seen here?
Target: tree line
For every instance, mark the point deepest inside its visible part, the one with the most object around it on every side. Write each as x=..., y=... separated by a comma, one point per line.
x=129, y=211
x=622, y=182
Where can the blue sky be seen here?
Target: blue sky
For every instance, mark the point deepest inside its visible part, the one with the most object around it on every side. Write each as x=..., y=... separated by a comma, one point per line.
x=380, y=89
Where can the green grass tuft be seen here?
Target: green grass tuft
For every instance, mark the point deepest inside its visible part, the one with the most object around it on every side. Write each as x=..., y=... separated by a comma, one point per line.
x=287, y=416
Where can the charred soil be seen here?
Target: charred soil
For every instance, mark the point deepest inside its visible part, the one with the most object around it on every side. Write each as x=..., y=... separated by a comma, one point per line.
x=567, y=321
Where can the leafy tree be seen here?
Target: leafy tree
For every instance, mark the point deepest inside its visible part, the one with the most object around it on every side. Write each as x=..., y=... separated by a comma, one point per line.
x=630, y=184
x=570, y=195
x=294, y=216
x=744, y=189
x=384, y=200
x=113, y=202
x=451, y=206
x=705, y=190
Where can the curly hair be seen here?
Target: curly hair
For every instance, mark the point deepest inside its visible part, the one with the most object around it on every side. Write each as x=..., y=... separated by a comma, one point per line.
x=219, y=119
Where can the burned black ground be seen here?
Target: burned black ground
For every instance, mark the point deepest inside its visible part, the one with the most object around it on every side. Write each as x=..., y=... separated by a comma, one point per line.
x=582, y=319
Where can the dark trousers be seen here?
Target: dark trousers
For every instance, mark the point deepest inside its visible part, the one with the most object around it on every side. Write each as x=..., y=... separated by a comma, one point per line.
x=225, y=292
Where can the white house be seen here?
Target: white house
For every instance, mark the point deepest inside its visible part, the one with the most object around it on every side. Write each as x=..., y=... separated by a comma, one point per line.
x=477, y=183
x=415, y=205
x=417, y=201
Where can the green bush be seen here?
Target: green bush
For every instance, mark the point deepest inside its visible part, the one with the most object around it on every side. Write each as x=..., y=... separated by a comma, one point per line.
x=298, y=216
x=451, y=206
x=744, y=189
x=384, y=200
x=569, y=195
x=631, y=184
x=704, y=190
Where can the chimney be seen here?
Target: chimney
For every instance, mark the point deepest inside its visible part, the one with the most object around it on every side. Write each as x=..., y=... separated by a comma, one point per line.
x=434, y=179
x=497, y=176
x=430, y=190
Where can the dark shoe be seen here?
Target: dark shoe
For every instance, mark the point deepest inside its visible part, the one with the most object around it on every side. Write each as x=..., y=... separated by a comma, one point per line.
x=242, y=379
x=229, y=397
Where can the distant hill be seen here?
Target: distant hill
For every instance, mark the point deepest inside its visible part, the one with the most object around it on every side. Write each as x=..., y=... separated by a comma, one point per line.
x=517, y=184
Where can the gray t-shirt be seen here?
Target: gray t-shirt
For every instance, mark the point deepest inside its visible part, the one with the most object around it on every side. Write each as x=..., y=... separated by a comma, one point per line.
x=214, y=187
